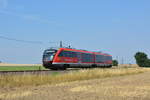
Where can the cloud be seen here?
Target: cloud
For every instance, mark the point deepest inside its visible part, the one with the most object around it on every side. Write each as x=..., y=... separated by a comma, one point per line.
x=3, y=4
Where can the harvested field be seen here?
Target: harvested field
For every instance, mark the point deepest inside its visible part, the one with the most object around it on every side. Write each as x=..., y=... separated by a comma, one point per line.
x=128, y=87
x=10, y=80
x=128, y=65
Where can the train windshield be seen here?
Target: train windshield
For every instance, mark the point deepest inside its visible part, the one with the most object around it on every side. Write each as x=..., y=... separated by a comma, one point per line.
x=49, y=55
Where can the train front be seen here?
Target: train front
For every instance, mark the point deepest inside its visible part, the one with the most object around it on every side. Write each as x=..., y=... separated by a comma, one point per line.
x=48, y=57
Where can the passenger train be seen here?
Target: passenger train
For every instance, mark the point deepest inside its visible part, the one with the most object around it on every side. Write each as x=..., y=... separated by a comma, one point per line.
x=62, y=58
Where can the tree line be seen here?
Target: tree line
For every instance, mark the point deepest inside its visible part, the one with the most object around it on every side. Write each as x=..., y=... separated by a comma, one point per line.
x=141, y=58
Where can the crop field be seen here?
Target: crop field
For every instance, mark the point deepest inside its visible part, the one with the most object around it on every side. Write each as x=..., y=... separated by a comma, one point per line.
x=87, y=84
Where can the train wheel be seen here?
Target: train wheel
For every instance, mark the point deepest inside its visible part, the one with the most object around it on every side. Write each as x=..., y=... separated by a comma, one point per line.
x=94, y=66
x=54, y=68
x=63, y=68
x=109, y=66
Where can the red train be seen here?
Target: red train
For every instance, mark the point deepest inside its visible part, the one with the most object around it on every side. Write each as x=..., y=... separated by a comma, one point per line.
x=63, y=58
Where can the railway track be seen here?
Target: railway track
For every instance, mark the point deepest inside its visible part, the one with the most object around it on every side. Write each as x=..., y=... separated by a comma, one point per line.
x=37, y=72
x=41, y=71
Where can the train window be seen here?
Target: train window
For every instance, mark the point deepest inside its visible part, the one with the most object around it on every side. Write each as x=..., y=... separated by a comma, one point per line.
x=74, y=54
x=61, y=54
x=104, y=58
x=99, y=58
x=87, y=57
x=67, y=54
x=109, y=58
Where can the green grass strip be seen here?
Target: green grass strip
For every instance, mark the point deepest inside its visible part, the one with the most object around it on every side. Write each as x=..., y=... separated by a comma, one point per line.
x=21, y=68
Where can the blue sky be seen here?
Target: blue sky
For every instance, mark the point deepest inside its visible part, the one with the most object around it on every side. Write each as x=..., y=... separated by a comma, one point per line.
x=118, y=27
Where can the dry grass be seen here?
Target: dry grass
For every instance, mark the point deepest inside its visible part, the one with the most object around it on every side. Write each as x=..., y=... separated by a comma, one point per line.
x=130, y=87
x=34, y=80
x=128, y=66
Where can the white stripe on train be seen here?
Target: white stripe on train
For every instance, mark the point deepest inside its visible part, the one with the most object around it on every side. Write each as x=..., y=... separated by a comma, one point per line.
x=81, y=64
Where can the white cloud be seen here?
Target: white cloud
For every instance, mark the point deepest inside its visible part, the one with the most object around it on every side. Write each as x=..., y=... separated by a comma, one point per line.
x=3, y=4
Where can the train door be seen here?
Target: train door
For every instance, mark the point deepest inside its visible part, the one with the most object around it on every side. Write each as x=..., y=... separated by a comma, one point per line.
x=79, y=58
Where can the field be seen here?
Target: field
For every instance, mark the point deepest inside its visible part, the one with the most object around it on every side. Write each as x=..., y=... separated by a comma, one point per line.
x=24, y=67
x=20, y=67
x=90, y=84
x=7, y=64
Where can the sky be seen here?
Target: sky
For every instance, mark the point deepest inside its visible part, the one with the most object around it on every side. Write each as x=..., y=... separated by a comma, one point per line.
x=118, y=27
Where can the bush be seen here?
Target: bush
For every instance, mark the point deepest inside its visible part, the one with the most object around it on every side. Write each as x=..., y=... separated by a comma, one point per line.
x=142, y=59
x=115, y=63
x=147, y=63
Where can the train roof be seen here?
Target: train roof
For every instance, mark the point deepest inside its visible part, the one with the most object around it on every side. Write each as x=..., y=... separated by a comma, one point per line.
x=77, y=50
x=84, y=51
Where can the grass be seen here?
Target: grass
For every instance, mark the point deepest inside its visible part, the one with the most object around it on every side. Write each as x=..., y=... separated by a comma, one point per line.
x=34, y=80
x=21, y=68
x=121, y=88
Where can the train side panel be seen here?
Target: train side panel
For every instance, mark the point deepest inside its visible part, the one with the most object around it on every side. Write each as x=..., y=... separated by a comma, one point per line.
x=78, y=58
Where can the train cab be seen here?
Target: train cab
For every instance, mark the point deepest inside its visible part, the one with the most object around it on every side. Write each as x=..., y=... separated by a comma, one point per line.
x=48, y=57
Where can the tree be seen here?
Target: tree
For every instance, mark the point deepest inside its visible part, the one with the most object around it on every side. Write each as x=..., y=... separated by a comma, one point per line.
x=115, y=63
x=142, y=59
x=147, y=63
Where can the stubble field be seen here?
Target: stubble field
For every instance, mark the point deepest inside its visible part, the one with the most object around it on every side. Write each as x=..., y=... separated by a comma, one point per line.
x=93, y=84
